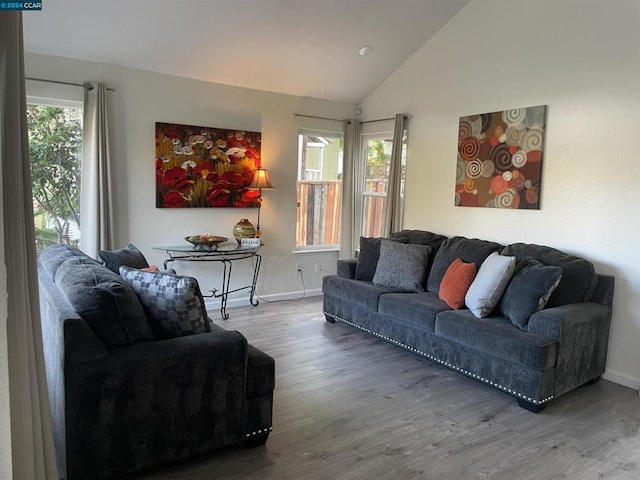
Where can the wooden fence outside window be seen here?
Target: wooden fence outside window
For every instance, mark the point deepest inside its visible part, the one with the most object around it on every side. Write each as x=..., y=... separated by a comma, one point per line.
x=318, y=216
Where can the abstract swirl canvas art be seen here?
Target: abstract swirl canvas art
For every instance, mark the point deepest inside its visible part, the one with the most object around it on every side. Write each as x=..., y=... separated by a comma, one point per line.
x=499, y=162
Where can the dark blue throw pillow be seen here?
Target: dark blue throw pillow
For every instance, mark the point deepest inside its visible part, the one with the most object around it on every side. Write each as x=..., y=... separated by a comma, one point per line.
x=529, y=290
x=128, y=256
x=104, y=301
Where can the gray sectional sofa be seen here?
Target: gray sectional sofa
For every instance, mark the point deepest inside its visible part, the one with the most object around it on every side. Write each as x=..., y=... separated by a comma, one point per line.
x=125, y=396
x=544, y=354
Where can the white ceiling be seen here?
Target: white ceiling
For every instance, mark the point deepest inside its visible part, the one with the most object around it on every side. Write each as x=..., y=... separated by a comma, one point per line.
x=298, y=47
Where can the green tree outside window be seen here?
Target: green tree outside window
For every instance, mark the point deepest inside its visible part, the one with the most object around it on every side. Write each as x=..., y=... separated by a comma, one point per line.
x=55, y=146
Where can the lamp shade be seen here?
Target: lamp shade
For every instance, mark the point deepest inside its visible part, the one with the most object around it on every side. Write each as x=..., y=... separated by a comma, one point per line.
x=261, y=179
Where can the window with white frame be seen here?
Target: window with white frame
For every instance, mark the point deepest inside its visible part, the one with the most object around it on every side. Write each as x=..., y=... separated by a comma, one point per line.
x=55, y=150
x=319, y=189
x=376, y=157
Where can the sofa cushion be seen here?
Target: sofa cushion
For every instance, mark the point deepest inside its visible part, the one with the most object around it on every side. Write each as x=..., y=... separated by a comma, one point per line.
x=416, y=309
x=128, y=256
x=54, y=255
x=529, y=290
x=402, y=266
x=362, y=293
x=173, y=303
x=420, y=237
x=466, y=249
x=487, y=288
x=579, y=278
x=498, y=337
x=104, y=301
x=456, y=282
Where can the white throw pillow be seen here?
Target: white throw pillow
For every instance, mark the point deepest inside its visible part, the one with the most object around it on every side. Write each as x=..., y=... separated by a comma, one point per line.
x=490, y=283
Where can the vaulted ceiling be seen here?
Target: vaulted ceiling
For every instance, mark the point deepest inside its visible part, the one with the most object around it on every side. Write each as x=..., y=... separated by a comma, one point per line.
x=299, y=47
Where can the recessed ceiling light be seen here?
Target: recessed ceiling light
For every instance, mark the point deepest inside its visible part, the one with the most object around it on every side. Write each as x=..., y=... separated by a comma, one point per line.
x=365, y=50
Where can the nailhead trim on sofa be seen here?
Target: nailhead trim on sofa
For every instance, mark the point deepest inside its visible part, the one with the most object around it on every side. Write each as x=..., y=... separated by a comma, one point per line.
x=446, y=364
x=259, y=432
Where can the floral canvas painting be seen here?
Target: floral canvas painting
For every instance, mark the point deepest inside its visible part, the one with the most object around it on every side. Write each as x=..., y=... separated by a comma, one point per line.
x=500, y=156
x=205, y=167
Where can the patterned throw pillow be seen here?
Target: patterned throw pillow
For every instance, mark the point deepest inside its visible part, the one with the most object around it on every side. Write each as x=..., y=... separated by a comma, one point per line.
x=173, y=303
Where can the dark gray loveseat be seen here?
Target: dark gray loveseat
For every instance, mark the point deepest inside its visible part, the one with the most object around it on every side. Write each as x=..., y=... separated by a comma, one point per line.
x=122, y=400
x=563, y=346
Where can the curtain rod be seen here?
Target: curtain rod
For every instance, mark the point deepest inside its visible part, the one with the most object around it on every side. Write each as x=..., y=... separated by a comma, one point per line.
x=383, y=119
x=320, y=118
x=346, y=120
x=83, y=85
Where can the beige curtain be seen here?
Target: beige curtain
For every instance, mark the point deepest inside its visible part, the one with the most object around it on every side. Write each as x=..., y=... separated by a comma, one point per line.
x=33, y=455
x=393, y=213
x=350, y=228
x=95, y=188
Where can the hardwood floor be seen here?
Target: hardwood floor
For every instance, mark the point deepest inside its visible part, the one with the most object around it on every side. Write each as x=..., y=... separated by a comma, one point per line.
x=350, y=406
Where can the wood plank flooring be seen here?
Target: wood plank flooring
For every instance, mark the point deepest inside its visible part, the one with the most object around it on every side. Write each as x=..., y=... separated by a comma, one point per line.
x=350, y=406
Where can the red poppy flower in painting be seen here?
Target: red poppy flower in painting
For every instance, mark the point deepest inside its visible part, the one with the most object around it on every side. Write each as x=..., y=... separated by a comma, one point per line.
x=176, y=178
x=159, y=170
x=252, y=153
x=249, y=198
x=173, y=199
x=231, y=180
x=218, y=197
x=205, y=171
x=207, y=167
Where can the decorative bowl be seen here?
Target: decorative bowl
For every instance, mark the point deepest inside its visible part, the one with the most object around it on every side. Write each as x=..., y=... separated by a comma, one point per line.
x=205, y=240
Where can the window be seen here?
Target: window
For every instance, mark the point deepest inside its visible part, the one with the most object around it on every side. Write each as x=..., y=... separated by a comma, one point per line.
x=319, y=190
x=55, y=148
x=376, y=150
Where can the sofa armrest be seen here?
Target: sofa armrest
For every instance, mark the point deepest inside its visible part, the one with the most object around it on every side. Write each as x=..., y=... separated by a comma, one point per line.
x=582, y=333
x=347, y=268
x=80, y=342
x=196, y=383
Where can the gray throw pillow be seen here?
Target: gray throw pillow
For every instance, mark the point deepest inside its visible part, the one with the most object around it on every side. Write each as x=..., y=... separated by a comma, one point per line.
x=529, y=291
x=368, y=256
x=128, y=256
x=402, y=266
x=173, y=303
x=490, y=283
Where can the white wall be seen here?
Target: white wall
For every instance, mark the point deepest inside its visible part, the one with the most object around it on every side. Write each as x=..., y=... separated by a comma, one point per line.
x=142, y=98
x=579, y=57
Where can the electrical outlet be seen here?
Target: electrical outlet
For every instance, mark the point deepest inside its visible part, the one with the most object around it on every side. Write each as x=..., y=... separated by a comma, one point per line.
x=298, y=267
x=318, y=267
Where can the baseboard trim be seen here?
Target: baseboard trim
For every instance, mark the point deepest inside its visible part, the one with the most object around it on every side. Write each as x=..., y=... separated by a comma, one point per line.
x=621, y=378
x=213, y=304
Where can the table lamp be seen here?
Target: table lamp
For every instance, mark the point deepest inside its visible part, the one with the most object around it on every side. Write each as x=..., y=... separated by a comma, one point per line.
x=260, y=181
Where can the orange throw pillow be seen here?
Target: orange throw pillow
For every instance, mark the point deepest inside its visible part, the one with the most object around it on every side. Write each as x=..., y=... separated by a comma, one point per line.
x=456, y=282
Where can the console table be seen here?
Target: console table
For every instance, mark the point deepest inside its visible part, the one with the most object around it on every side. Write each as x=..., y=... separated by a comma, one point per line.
x=226, y=254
